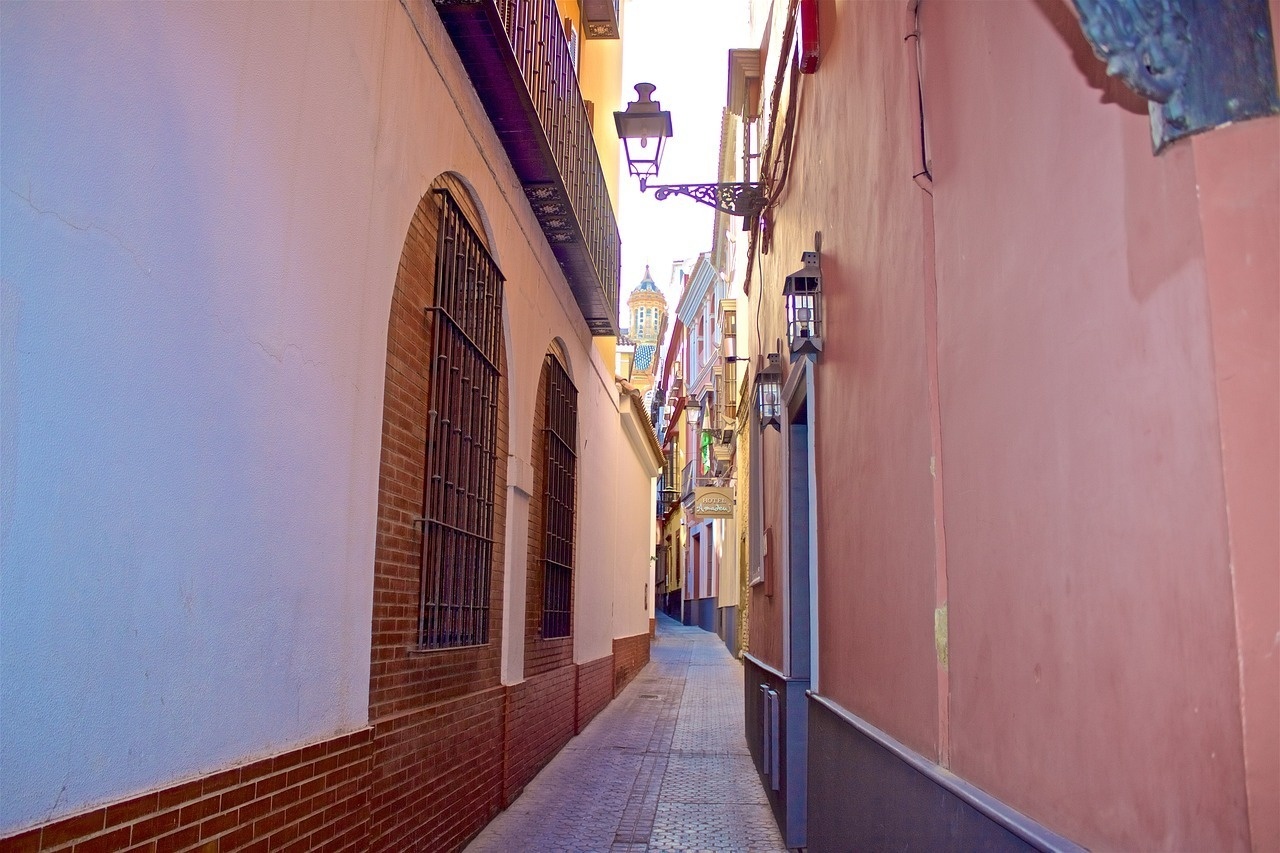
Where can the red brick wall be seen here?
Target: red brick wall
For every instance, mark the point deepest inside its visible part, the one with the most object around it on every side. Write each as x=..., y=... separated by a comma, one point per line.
x=595, y=689
x=437, y=777
x=539, y=655
x=313, y=798
x=438, y=716
x=540, y=720
x=630, y=654
x=400, y=678
x=428, y=779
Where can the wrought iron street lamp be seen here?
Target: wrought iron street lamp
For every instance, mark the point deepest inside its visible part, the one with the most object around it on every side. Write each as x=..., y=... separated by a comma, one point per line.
x=693, y=410
x=644, y=122
x=769, y=393
x=803, y=294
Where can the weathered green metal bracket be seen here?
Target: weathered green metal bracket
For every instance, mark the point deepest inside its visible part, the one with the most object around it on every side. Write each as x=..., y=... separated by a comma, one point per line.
x=1200, y=63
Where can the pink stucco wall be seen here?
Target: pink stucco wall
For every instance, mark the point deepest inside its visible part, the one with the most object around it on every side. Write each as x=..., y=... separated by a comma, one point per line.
x=1238, y=175
x=1093, y=652
x=1103, y=413
x=877, y=587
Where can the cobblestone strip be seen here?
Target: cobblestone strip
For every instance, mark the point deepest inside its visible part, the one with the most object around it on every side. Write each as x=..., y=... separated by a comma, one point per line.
x=663, y=688
x=636, y=824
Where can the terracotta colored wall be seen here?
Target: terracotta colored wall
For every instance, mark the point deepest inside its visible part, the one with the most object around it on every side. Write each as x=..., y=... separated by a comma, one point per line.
x=1238, y=175
x=1093, y=672
x=851, y=180
x=765, y=629
x=1105, y=411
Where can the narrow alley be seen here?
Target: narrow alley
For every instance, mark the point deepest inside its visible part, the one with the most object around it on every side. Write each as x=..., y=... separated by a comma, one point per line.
x=639, y=425
x=664, y=767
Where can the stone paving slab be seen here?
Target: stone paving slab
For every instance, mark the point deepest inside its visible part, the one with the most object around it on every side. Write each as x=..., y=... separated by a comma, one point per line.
x=664, y=767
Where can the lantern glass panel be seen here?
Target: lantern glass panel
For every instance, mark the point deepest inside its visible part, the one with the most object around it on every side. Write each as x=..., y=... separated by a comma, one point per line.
x=644, y=155
x=768, y=398
x=802, y=316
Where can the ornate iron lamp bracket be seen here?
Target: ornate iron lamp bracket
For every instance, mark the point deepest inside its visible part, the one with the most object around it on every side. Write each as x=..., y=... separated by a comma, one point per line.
x=740, y=199
x=1200, y=65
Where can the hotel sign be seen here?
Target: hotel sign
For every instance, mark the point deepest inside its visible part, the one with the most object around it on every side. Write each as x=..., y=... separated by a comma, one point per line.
x=712, y=502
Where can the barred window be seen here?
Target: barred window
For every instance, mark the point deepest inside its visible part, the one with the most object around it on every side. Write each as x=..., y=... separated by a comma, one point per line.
x=465, y=328
x=560, y=467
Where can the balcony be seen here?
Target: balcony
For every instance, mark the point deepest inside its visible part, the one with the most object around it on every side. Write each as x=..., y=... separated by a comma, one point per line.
x=518, y=59
x=689, y=480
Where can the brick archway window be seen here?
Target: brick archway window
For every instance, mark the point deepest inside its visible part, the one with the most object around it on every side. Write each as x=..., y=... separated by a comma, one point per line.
x=560, y=464
x=465, y=329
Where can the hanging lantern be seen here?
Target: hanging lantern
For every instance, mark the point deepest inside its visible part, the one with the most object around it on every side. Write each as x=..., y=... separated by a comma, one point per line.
x=803, y=294
x=643, y=128
x=693, y=410
x=769, y=393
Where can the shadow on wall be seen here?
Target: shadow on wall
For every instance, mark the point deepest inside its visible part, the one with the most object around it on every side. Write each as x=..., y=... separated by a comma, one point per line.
x=1061, y=17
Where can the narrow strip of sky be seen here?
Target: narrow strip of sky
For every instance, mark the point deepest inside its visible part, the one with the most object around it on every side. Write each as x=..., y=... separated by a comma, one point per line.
x=682, y=47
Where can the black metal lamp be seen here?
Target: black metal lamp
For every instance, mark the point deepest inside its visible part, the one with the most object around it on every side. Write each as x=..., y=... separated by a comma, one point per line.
x=803, y=294
x=693, y=410
x=769, y=393
x=643, y=121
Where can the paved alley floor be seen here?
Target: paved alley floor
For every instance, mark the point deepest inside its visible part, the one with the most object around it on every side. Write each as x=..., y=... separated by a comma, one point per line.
x=664, y=767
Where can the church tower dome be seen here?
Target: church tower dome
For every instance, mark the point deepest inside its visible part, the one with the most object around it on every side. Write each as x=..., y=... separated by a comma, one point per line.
x=647, y=307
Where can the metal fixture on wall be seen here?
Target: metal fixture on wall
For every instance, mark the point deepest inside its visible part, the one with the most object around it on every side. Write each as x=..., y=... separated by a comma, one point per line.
x=693, y=410
x=1199, y=65
x=802, y=292
x=644, y=122
x=769, y=393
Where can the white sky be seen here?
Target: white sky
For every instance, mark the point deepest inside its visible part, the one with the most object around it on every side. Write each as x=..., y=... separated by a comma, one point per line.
x=682, y=47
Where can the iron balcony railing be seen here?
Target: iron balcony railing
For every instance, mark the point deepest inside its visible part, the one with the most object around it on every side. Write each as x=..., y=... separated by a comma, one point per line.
x=689, y=479
x=518, y=58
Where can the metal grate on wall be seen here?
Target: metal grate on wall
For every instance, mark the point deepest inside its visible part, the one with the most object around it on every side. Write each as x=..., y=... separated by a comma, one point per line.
x=465, y=330
x=558, y=505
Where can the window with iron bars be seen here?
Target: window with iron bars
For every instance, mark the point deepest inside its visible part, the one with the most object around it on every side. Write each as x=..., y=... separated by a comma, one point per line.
x=465, y=329
x=560, y=467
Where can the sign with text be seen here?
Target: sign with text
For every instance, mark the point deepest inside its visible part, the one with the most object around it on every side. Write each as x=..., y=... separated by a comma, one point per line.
x=712, y=502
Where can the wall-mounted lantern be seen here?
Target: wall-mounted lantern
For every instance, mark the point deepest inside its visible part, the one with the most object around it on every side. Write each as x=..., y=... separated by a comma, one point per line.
x=643, y=123
x=769, y=393
x=803, y=294
x=693, y=410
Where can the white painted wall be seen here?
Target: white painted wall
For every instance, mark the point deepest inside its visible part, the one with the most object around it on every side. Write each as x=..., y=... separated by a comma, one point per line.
x=600, y=441
x=635, y=483
x=202, y=211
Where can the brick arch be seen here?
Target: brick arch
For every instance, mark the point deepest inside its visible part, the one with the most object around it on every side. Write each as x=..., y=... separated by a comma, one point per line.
x=398, y=678
x=420, y=700
x=561, y=352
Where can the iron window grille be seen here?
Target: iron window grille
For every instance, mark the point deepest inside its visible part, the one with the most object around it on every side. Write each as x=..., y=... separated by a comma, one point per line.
x=560, y=474
x=465, y=328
